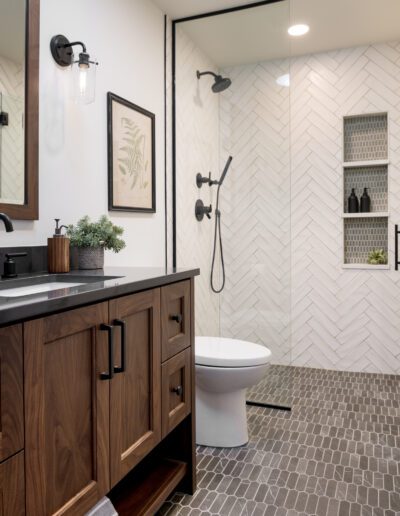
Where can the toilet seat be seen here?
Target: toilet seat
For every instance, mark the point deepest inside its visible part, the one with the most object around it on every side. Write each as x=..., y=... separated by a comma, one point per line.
x=225, y=352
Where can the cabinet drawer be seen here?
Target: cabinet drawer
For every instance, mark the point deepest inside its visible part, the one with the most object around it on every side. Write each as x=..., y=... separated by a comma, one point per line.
x=176, y=390
x=175, y=318
x=12, y=486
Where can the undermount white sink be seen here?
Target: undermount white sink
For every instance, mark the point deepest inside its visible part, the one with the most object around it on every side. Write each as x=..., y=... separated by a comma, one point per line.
x=37, y=289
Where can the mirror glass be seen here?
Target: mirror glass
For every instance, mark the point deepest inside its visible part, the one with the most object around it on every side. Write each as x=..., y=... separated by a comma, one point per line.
x=12, y=101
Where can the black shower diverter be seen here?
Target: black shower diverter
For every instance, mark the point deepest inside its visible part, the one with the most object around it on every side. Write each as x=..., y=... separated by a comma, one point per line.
x=200, y=210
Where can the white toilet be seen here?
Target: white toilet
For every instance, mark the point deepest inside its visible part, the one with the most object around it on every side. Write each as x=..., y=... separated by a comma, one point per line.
x=225, y=368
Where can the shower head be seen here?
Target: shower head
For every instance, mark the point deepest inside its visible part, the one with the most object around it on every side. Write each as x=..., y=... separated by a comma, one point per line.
x=228, y=164
x=220, y=83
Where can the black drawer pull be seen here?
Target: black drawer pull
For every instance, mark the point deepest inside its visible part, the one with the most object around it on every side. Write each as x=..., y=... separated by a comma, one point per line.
x=178, y=318
x=177, y=390
x=122, y=325
x=110, y=329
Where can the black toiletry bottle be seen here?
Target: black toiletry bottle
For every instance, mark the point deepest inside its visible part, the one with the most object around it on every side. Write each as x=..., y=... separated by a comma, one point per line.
x=353, y=206
x=365, y=204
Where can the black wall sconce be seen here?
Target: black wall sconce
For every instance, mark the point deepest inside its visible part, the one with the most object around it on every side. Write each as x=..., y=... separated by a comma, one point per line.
x=83, y=69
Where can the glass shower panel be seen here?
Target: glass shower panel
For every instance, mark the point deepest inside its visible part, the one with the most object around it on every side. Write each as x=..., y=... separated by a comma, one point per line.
x=255, y=129
x=250, y=121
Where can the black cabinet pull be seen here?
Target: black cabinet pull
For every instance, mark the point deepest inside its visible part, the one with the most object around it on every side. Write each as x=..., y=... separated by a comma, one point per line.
x=122, y=325
x=177, y=390
x=396, y=247
x=178, y=318
x=110, y=329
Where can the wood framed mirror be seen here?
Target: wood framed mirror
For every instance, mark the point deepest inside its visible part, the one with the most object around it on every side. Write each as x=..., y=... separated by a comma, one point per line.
x=19, y=108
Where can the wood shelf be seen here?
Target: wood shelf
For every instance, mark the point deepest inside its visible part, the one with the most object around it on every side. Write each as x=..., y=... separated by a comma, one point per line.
x=367, y=163
x=369, y=215
x=147, y=492
x=366, y=266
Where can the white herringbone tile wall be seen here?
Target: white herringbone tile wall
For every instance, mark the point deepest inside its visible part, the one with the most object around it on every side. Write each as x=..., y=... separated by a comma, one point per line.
x=341, y=319
x=12, y=136
x=255, y=130
x=288, y=166
x=197, y=128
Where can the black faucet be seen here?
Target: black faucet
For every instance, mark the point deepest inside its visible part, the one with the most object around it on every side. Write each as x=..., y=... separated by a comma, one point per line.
x=7, y=222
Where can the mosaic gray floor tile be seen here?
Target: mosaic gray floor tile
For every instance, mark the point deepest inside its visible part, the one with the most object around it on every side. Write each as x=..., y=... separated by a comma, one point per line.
x=337, y=453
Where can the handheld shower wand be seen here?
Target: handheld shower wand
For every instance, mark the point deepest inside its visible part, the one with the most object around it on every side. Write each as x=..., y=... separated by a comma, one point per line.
x=217, y=232
x=228, y=164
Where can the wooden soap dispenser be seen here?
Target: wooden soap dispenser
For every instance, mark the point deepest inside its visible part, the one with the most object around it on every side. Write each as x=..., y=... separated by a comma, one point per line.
x=58, y=251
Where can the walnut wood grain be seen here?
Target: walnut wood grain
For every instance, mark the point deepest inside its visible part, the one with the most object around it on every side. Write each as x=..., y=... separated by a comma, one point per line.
x=144, y=494
x=176, y=372
x=175, y=336
x=11, y=391
x=66, y=412
x=58, y=254
x=30, y=209
x=12, y=486
x=135, y=395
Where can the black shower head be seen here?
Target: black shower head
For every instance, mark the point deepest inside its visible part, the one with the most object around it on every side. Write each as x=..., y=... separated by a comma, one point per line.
x=220, y=83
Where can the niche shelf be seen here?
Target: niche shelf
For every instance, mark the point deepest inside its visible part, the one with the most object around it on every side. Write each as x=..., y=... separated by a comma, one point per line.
x=365, y=165
x=370, y=215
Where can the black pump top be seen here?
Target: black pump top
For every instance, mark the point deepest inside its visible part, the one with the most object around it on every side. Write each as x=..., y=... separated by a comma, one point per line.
x=57, y=231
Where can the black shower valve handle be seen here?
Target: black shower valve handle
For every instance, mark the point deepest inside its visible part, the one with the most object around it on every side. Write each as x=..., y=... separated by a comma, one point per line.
x=201, y=210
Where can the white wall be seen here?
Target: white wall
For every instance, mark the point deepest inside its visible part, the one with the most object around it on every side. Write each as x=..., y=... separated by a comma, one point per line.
x=197, y=129
x=127, y=38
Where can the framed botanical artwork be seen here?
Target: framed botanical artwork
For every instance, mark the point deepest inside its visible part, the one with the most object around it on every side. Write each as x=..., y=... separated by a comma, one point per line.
x=131, y=156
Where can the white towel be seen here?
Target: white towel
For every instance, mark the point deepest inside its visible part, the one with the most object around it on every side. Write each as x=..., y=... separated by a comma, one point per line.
x=103, y=508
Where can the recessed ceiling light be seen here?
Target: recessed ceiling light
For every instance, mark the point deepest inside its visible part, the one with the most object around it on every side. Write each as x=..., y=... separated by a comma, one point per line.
x=284, y=80
x=298, y=30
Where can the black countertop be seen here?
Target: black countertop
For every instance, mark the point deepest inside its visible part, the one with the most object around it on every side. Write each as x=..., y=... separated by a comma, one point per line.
x=127, y=280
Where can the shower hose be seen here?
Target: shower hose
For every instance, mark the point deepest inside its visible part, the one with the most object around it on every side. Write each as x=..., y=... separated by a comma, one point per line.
x=217, y=235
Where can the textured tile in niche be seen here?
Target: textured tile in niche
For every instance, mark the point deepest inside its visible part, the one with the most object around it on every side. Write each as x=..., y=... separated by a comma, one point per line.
x=365, y=137
x=335, y=454
x=373, y=178
x=361, y=236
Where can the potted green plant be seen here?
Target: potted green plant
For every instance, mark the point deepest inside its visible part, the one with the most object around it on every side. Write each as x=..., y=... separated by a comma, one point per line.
x=91, y=238
x=377, y=257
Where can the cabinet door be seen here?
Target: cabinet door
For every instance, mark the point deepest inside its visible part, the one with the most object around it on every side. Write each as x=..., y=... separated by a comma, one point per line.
x=66, y=412
x=135, y=396
x=175, y=318
x=11, y=392
x=12, y=489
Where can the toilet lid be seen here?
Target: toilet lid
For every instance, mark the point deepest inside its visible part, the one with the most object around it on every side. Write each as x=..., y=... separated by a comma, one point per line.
x=222, y=352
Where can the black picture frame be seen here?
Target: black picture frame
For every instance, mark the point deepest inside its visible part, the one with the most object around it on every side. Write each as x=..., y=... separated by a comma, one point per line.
x=112, y=206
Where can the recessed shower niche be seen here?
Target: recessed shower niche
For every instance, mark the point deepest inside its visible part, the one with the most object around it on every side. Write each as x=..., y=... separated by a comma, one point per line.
x=365, y=166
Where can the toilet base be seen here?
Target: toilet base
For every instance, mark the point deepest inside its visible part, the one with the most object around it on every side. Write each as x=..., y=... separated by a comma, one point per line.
x=221, y=419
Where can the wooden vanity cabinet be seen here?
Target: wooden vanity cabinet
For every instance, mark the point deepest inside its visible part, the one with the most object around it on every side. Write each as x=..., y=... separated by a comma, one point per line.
x=11, y=391
x=12, y=486
x=100, y=400
x=12, y=483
